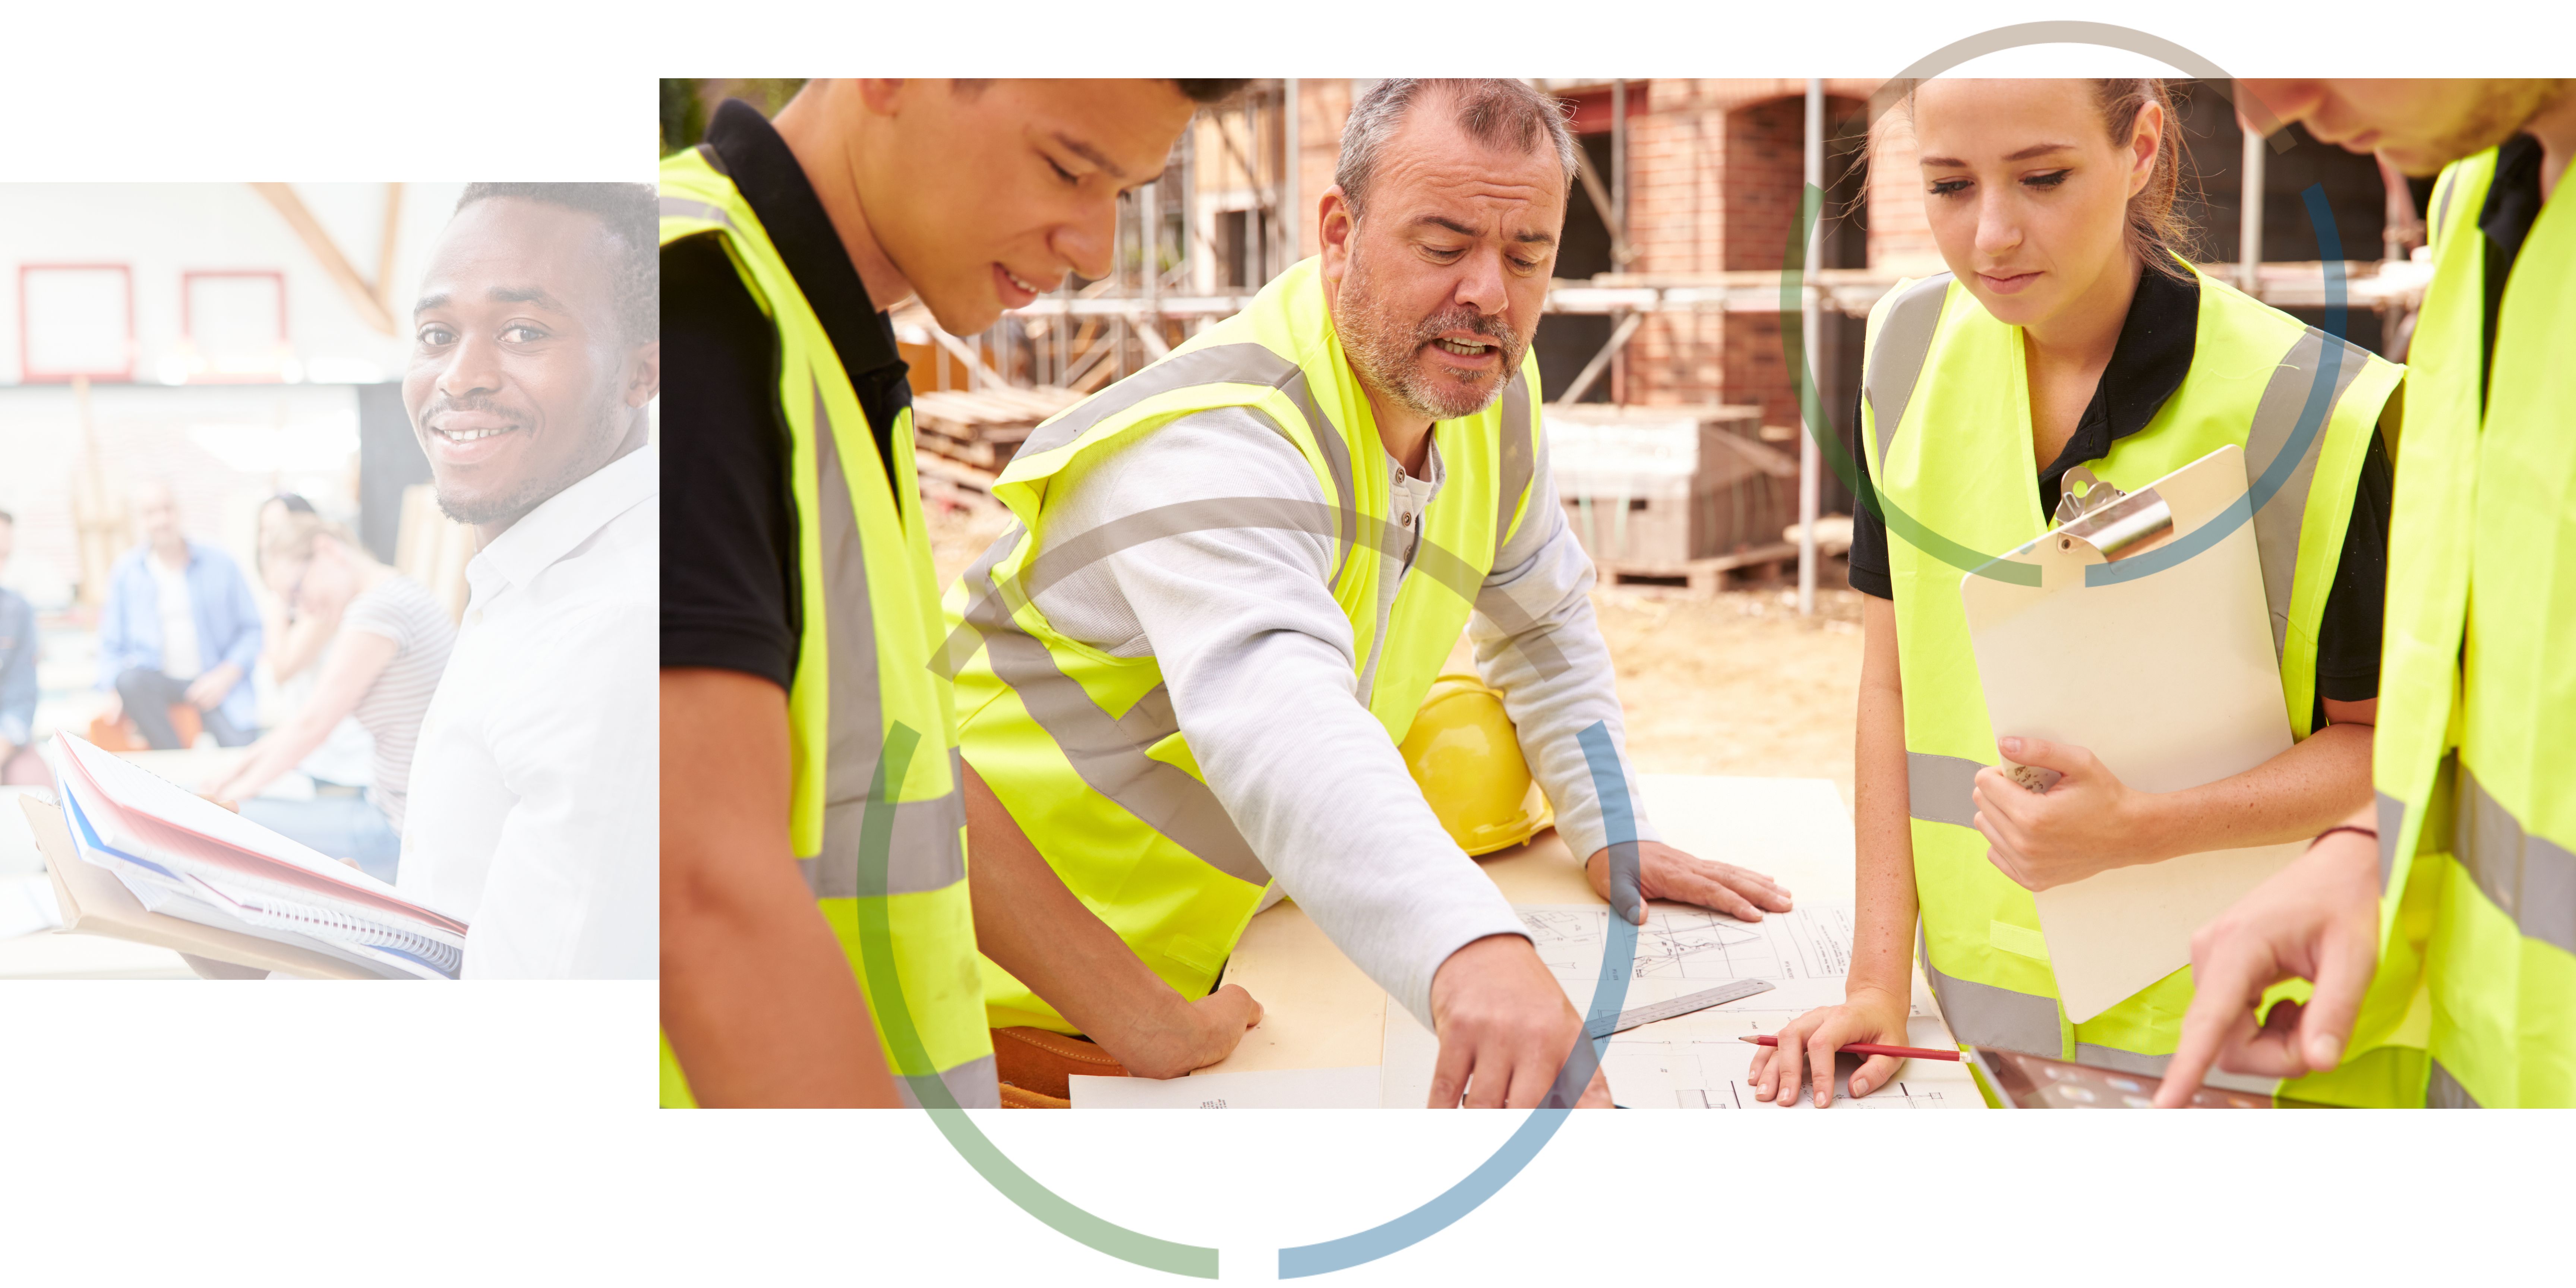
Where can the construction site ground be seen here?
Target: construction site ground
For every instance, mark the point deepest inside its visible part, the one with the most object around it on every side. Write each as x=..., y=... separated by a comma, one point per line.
x=1735, y=683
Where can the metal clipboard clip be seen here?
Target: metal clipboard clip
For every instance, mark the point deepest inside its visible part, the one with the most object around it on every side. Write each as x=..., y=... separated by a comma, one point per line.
x=2114, y=523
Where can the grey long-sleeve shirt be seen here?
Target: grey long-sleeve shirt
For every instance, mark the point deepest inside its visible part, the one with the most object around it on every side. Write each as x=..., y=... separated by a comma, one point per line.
x=1261, y=668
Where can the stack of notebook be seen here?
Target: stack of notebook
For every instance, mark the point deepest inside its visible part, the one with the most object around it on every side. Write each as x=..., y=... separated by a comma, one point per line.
x=154, y=862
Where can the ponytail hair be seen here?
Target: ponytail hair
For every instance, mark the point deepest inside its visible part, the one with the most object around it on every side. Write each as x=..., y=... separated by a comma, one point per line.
x=2158, y=234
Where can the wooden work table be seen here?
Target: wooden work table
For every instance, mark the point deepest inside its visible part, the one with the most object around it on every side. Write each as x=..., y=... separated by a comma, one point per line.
x=1319, y=1011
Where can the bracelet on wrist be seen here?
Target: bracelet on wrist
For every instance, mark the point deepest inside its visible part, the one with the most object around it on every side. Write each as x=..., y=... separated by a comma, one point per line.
x=2371, y=832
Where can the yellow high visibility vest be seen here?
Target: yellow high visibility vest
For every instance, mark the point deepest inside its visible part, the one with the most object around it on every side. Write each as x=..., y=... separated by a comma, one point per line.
x=876, y=815
x=2475, y=760
x=1083, y=748
x=1945, y=425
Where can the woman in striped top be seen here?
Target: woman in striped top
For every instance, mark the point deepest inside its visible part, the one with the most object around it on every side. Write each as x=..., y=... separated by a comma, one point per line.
x=388, y=648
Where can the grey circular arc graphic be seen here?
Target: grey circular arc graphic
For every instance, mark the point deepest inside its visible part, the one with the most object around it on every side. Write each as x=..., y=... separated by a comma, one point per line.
x=1542, y=1123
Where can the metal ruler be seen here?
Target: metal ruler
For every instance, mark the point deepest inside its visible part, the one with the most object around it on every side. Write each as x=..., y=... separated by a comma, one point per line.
x=1684, y=1005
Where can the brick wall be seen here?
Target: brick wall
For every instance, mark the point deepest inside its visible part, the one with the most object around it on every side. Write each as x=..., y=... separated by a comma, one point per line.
x=1899, y=238
x=1322, y=107
x=1716, y=172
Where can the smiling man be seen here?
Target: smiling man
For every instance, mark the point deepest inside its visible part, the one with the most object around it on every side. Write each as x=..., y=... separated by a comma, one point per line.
x=1239, y=571
x=535, y=357
x=798, y=604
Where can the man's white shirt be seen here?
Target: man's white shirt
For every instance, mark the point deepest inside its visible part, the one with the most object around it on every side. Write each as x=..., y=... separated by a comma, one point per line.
x=179, y=654
x=534, y=792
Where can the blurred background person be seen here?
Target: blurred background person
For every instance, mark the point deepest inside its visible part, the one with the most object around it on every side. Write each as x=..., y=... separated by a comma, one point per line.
x=294, y=643
x=388, y=645
x=18, y=761
x=288, y=642
x=179, y=626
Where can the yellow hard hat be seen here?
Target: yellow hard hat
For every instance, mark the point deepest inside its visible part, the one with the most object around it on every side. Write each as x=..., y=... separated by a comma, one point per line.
x=1467, y=760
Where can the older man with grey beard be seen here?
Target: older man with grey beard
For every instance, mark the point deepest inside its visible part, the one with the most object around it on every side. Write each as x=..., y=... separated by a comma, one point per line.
x=1438, y=240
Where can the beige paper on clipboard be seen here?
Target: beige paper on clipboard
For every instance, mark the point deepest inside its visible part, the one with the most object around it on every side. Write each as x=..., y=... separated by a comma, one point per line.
x=2169, y=679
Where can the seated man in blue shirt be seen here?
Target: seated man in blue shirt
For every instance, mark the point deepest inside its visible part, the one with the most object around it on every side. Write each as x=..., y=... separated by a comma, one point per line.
x=179, y=626
x=18, y=761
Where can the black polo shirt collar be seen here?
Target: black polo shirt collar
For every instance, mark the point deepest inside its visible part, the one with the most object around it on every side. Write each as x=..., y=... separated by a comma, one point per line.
x=2148, y=364
x=742, y=143
x=2512, y=206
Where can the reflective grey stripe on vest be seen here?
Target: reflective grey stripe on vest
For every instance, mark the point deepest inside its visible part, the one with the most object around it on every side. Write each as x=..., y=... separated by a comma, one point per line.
x=2531, y=879
x=2442, y=1091
x=683, y=208
x=2276, y=416
x=976, y=1084
x=1896, y=361
x=1937, y=788
x=1516, y=466
x=2392, y=818
x=925, y=854
x=1108, y=752
x=1057, y=562
x=1986, y=1016
x=1224, y=364
x=2442, y=208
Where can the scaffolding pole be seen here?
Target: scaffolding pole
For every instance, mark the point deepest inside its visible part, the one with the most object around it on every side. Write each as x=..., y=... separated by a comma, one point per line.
x=1619, y=210
x=2249, y=212
x=1290, y=165
x=1810, y=318
x=1149, y=233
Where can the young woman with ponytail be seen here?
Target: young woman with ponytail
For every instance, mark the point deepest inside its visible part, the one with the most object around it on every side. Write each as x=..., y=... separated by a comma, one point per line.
x=387, y=645
x=2071, y=330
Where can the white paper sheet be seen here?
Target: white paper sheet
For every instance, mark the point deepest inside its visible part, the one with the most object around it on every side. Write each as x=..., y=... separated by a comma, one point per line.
x=1804, y=953
x=1697, y=1061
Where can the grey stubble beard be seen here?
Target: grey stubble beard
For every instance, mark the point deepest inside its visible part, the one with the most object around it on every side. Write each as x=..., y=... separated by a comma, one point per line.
x=1383, y=350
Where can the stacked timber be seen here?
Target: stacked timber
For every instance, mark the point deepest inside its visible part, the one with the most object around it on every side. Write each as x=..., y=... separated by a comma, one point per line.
x=1672, y=496
x=962, y=438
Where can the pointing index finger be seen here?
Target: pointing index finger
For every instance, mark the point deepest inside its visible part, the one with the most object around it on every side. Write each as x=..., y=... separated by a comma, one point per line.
x=2221, y=1001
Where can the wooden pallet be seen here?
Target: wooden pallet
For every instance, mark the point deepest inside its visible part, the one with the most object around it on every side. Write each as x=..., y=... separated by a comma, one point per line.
x=1693, y=577
x=982, y=428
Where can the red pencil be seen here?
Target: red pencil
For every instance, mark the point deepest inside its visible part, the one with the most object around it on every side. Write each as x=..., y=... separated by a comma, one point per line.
x=1870, y=1048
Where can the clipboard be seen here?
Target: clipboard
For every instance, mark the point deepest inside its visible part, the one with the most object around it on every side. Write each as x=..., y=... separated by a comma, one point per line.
x=2168, y=678
x=94, y=902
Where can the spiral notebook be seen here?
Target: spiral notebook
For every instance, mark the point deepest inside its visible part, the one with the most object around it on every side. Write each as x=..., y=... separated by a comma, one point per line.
x=184, y=861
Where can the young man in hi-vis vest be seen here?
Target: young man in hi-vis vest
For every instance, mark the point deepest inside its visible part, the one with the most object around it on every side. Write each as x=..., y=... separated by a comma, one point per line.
x=1186, y=673
x=2443, y=917
x=811, y=827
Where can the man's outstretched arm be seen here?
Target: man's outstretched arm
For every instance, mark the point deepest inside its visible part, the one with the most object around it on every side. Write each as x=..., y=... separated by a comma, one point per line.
x=1033, y=927
x=2317, y=920
x=757, y=999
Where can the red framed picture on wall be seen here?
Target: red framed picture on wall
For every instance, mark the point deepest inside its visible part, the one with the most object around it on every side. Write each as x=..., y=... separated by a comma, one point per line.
x=75, y=321
x=232, y=324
